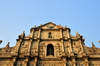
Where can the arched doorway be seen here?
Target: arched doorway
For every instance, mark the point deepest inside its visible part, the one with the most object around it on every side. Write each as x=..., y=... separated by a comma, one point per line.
x=50, y=50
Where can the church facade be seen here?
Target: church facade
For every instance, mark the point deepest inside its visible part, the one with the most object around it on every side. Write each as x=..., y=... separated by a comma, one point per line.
x=50, y=45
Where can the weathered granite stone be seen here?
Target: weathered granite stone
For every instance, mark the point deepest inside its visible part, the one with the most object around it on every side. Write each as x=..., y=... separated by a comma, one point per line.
x=50, y=45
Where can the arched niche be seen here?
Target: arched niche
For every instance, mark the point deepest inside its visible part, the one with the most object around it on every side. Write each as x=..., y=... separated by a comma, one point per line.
x=49, y=35
x=50, y=49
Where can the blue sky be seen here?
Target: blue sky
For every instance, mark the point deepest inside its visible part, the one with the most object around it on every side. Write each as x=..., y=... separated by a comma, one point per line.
x=17, y=16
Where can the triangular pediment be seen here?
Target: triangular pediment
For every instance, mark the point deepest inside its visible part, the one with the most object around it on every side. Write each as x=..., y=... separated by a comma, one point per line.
x=50, y=25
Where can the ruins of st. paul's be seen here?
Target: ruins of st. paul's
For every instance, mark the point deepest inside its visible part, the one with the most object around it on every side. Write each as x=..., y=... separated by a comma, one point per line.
x=50, y=45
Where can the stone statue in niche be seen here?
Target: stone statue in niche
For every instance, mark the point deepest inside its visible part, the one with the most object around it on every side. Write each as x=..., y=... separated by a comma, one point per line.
x=50, y=52
x=49, y=35
x=36, y=35
x=65, y=34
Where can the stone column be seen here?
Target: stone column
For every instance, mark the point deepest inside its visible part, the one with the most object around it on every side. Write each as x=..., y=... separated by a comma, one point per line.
x=61, y=33
x=19, y=42
x=30, y=45
x=55, y=51
x=38, y=41
x=62, y=45
x=73, y=61
x=70, y=47
x=32, y=33
x=45, y=51
x=39, y=34
x=64, y=61
x=37, y=46
x=81, y=46
x=14, y=61
x=68, y=34
x=26, y=61
x=35, y=61
x=85, y=61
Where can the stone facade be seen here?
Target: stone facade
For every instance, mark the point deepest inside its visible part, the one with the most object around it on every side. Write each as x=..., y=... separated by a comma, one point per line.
x=50, y=45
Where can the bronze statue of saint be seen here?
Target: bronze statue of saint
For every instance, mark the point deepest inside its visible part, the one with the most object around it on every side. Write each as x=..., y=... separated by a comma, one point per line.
x=50, y=52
